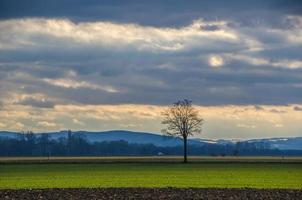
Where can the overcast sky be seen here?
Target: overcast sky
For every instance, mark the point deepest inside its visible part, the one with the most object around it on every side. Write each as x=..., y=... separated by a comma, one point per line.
x=102, y=65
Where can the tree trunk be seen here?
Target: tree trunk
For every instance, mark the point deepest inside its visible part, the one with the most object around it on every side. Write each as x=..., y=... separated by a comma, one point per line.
x=185, y=149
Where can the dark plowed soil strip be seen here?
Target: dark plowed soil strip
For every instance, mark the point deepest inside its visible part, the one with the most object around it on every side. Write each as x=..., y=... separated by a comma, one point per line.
x=150, y=193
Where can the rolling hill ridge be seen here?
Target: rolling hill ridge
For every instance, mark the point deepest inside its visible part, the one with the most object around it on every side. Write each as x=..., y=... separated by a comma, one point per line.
x=290, y=143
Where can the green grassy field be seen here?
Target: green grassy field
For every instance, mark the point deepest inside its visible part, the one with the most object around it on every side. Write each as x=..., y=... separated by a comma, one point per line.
x=220, y=175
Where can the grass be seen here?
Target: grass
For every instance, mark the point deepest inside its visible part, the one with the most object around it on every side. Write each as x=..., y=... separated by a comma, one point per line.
x=202, y=175
x=150, y=159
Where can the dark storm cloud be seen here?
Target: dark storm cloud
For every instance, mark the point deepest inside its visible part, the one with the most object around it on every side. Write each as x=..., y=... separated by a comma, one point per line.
x=207, y=87
x=155, y=13
x=213, y=52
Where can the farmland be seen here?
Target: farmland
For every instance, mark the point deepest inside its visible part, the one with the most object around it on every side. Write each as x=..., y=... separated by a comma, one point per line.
x=286, y=175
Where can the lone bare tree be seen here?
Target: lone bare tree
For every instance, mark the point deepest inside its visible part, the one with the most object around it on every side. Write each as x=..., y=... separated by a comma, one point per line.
x=182, y=120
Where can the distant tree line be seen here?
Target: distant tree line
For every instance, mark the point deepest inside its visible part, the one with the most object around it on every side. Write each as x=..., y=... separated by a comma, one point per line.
x=28, y=144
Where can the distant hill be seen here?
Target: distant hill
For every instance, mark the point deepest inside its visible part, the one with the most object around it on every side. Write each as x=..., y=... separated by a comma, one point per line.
x=116, y=135
x=291, y=143
x=7, y=134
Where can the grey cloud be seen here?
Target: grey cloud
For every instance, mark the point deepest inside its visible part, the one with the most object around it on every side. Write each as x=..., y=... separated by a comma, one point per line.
x=297, y=108
x=175, y=12
x=277, y=111
x=258, y=108
x=143, y=82
x=29, y=101
x=285, y=52
x=146, y=90
x=155, y=76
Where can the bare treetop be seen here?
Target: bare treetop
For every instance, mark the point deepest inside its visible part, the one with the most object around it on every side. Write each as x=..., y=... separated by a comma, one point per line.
x=182, y=119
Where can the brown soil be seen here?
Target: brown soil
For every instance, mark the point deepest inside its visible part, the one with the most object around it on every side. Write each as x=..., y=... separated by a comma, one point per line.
x=150, y=193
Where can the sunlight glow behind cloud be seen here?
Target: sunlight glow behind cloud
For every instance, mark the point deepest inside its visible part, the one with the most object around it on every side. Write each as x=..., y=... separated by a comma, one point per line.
x=216, y=61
